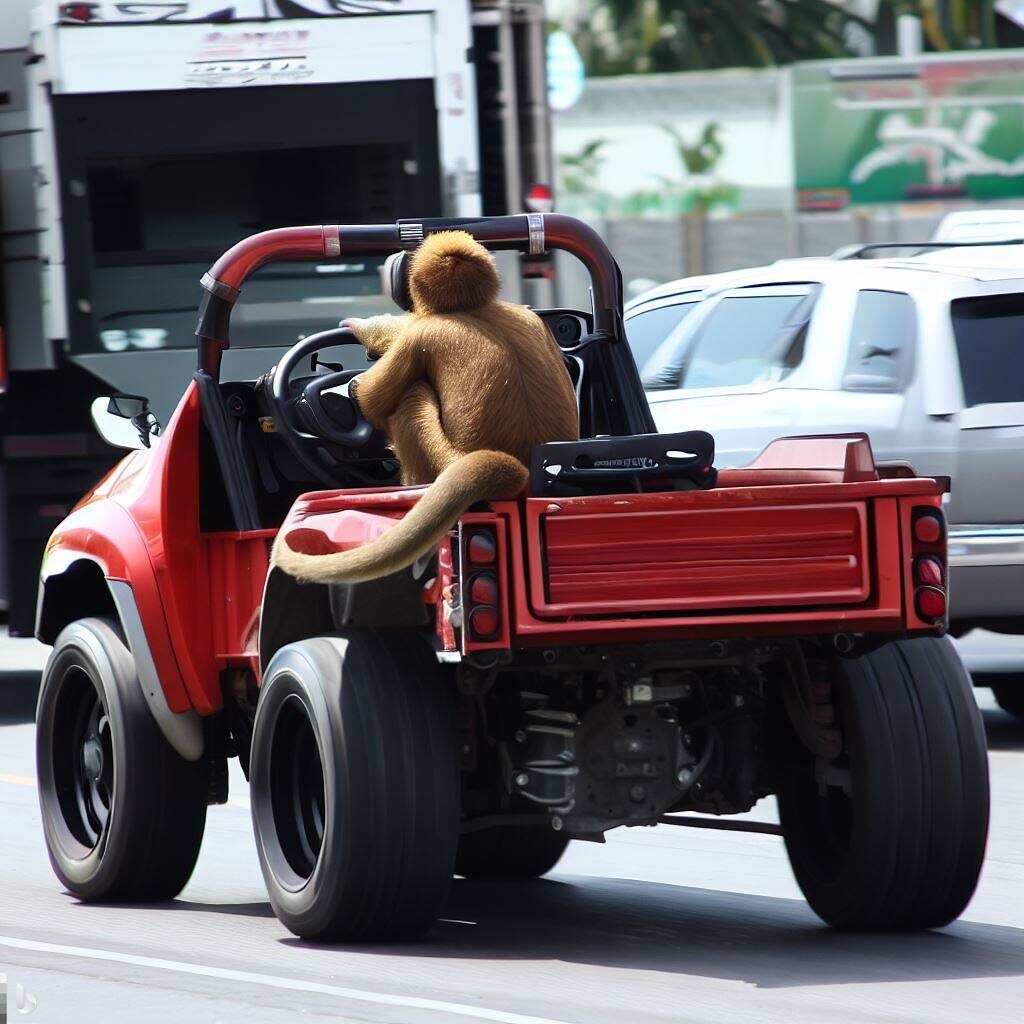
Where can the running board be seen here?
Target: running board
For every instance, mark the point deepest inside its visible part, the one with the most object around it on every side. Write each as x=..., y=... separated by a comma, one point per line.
x=765, y=827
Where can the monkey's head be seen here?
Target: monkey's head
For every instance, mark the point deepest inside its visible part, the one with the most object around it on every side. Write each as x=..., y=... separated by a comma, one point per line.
x=451, y=272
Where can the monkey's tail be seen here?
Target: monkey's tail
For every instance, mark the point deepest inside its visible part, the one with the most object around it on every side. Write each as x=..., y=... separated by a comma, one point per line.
x=473, y=477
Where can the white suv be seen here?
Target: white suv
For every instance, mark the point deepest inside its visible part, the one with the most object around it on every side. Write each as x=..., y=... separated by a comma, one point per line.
x=925, y=353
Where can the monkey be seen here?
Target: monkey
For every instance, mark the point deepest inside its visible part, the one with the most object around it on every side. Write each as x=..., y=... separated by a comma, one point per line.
x=465, y=386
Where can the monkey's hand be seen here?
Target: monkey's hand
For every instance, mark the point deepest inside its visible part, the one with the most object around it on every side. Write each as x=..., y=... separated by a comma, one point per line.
x=376, y=333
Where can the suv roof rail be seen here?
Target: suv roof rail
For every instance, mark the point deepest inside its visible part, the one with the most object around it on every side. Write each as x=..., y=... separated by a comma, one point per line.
x=857, y=251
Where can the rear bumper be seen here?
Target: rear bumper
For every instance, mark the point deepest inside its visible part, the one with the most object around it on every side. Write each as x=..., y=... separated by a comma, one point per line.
x=986, y=567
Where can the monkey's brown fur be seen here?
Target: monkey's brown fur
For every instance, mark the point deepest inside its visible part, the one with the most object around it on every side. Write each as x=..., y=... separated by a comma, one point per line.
x=465, y=387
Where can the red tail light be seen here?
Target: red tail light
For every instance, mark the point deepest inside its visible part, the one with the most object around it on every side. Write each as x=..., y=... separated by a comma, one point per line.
x=929, y=550
x=928, y=528
x=929, y=571
x=481, y=587
x=481, y=548
x=483, y=622
x=931, y=603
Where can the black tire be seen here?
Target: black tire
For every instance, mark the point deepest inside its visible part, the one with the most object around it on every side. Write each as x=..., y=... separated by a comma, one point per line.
x=1009, y=695
x=904, y=851
x=123, y=812
x=509, y=852
x=354, y=780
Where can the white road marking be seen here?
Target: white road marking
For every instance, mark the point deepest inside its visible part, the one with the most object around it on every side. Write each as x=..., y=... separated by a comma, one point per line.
x=18, y=780
x=273, y=981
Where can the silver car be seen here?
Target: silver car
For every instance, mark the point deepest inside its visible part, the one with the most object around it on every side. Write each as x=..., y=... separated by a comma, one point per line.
x=925, y=353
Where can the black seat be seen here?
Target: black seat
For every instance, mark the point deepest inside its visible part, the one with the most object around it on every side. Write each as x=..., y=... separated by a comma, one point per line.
x=623, y=465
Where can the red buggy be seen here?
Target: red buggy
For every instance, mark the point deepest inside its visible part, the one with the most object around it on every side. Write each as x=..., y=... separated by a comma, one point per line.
x=636, y=636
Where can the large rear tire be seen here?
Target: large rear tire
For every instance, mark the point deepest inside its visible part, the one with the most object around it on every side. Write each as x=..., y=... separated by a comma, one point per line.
x=123, y=812
x=902, y=846
x=355, y=787
x=509, y=852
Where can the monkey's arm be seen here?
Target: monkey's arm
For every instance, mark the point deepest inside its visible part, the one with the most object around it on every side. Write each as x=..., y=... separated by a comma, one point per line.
x=377, y=333
x=380, y=389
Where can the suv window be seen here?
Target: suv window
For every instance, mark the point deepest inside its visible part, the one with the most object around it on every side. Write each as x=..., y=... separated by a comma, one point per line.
x=881, y=342
x=749, y=336
x=988, y=334
x=648, y=329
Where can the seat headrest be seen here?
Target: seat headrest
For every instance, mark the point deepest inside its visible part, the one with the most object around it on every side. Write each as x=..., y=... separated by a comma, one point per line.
x=395, y=279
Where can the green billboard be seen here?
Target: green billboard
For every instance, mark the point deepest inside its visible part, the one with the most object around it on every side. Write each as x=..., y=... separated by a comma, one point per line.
x=892, y=130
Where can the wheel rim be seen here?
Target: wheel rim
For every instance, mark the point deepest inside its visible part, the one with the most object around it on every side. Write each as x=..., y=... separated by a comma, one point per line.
x=83, y=759
x=297, y=789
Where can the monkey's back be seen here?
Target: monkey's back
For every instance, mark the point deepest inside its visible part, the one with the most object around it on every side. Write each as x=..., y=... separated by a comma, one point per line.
x=500, y=379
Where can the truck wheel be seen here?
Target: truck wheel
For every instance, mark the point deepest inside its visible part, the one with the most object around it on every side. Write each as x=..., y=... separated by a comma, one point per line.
x=123, y=812
x=892, y=834
x=509, y=851
x=354, y=785
x=1010, y=695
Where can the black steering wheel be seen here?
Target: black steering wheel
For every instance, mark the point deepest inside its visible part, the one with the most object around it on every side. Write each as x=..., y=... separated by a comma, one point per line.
x=323, y=411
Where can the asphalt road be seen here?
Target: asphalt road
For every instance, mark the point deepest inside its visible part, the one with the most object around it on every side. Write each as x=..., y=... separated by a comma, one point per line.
x=664, y=924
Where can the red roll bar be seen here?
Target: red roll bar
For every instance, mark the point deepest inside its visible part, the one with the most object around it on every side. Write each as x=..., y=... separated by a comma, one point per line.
x=531, y=233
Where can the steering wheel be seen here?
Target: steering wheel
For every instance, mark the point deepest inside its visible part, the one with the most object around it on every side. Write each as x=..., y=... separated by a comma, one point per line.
x=323, y=411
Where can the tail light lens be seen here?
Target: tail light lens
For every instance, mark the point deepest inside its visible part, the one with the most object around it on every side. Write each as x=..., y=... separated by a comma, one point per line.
x=929, y=571
x=483, y=623
x=931, y=602
x=481, y=547
x=483, y=589
x=928, y=529
x=481, y=594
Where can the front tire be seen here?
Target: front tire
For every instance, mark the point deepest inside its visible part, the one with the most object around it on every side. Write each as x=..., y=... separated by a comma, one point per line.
x=354, y=786
x=902, y=846
x=123, y=812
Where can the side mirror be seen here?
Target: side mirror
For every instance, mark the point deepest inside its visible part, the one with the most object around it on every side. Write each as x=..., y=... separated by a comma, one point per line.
x=124, y=421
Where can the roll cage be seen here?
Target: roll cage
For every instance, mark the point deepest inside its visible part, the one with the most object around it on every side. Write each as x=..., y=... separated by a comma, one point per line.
x=611, y=396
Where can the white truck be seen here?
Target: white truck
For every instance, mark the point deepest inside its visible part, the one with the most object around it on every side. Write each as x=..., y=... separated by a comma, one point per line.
x=287, y=111
x=916, y=345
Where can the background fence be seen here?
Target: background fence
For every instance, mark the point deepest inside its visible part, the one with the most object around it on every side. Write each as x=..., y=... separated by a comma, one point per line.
x=651, y=251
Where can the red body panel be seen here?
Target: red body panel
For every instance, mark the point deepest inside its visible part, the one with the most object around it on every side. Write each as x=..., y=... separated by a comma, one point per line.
x=197, y=595
x=766, y=552
x=886, y=607
x=585, y=562
x=856, y=534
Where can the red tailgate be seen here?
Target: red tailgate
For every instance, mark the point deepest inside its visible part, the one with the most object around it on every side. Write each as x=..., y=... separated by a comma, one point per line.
x=593, y=562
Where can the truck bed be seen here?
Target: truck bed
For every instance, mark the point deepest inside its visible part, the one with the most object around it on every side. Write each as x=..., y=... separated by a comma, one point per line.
x=824, y=546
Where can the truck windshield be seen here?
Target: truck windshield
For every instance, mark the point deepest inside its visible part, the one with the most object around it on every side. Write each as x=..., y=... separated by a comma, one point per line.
x=158, y=185
x=158, y=223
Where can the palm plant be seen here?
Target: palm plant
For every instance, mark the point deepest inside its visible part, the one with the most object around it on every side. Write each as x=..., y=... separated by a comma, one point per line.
x=672, y=35
x=952, y=24
x=686, y=35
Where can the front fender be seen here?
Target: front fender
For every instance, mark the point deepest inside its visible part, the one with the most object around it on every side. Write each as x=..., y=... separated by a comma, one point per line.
x=103, y=532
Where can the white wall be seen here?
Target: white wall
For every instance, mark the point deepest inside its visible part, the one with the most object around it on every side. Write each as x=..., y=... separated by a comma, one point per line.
x=14, y=16
x=749, y=106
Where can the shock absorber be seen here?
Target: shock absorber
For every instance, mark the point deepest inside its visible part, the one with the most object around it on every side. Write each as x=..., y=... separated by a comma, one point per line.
x=545, y=768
